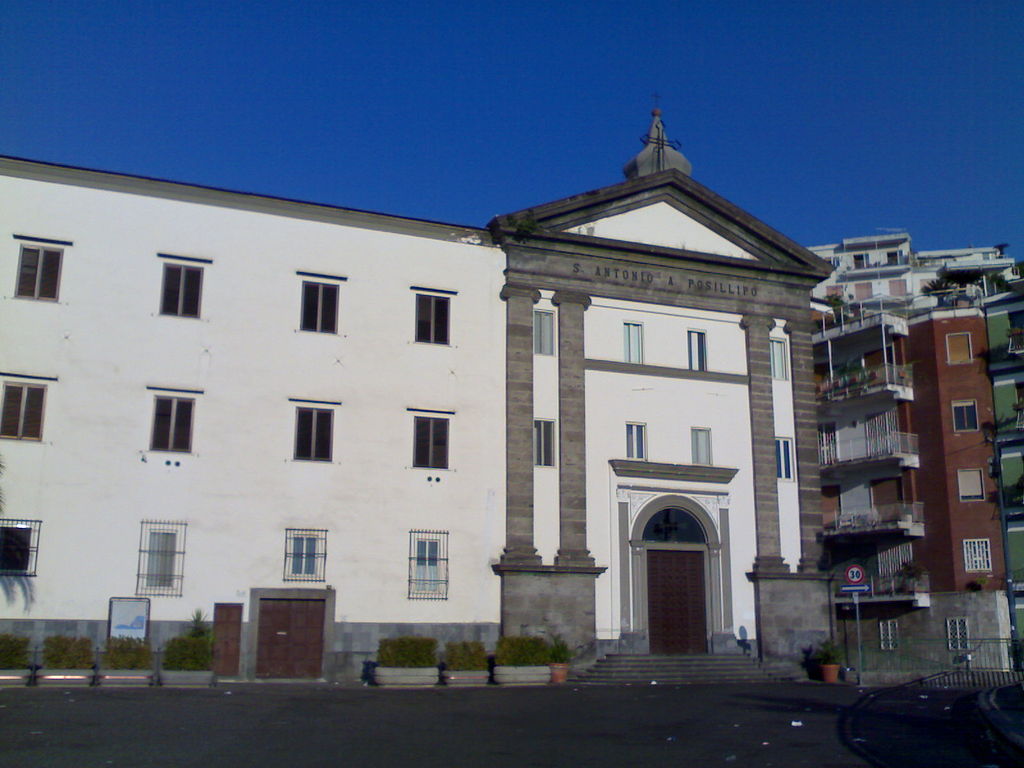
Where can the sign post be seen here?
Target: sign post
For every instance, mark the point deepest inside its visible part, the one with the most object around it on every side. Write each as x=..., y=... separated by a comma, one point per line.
x=855, y=578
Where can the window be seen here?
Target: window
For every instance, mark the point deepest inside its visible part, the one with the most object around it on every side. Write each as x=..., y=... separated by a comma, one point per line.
x=543, y=332
x=19, y=543
x=700, y=445
x=969, y=481
x=319, y=307
x=172, y=424
x=977, y=555
x=432, y=319
x=430, y=443
x=957, y=637
x=862, y=291
x=313, y=433
x=38, y=273
x=784, y=458
x=305, y=552
x=22, y=412
x=636, y=441
x=892, y=257
x=428, y=565
x=182, y=287
x=780, y=359
x=888, y=634
x=696, y=342
x=860, y=260
x=965, y=416
x=543, y=443
x=958, y=348
x=897, y=287
x=161, y=558
x=633, y=342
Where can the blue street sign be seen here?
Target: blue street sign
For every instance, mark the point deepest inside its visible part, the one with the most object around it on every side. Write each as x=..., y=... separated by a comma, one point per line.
x=854, y=588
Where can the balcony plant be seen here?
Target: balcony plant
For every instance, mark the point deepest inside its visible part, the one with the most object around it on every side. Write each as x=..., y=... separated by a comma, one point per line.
x=560, y=655
x=67, y=661
x=828, y=657
x=465, y=664
x=15, y=668
x=126, y=661
x=406, y=661
x=522, y=661
x=188, y=659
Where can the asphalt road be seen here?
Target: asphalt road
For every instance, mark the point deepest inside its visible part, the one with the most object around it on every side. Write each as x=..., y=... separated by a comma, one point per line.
x=782, y=725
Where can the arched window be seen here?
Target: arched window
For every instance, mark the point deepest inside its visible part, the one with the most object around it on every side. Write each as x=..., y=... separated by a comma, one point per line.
x=675, y=525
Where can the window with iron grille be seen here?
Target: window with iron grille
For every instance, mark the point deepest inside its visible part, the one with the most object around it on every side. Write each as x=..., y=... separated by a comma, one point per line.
x=957, y=637
x=22, y=412
x=430, y=442
x=428, y=565
x=888, y=634
x=977, y=555
x=181, y=290
x=38, y=273
x=319, y=307
x=19, y=544
x=543, y=332
x=305, y=554
x=543, y=443
x=161, y=558
x=172, y=424
x=432, y=315
x=313, y=433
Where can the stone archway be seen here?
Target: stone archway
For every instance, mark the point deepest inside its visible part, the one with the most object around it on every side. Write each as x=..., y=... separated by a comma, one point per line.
x=677, y=576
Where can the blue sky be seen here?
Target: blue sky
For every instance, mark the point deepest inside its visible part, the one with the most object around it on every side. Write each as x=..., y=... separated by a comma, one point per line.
x=825, y=119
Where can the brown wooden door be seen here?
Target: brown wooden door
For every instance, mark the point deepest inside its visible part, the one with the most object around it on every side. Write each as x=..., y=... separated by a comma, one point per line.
x=290, y=639
x=675, y=601
x=227, y=637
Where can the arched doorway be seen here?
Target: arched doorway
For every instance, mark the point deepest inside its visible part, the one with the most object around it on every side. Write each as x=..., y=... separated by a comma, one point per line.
x=676, y=547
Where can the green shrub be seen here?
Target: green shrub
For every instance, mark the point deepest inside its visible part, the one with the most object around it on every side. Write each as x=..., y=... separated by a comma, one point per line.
x=560, y=653
x=60, y=652
x=127, y=653
x=521, y=652
x=828, y=653
x=188, y=652
x=407, y=652
x=465, y=656
x=13, y=652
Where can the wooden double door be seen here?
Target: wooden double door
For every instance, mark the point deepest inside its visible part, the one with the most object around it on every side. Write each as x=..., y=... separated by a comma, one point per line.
x=290, y=641
x=676, y=610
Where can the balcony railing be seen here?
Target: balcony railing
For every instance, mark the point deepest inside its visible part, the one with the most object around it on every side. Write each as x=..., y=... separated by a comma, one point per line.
x=1015, y=342
x=1020, y=416
x=864, y=381
x=878, y=517
x=896, y=586
x=888, y=445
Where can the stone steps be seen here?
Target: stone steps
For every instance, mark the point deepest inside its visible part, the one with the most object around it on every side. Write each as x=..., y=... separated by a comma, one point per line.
x=621, y=669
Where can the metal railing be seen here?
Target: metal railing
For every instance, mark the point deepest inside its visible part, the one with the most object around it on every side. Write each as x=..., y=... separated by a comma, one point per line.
x=863, y=381
x=1015, y=343
x=878, y=516
x=927, y=656
x=834, y=451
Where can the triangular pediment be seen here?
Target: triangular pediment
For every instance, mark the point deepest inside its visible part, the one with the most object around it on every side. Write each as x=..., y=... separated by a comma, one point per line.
x=668, y=213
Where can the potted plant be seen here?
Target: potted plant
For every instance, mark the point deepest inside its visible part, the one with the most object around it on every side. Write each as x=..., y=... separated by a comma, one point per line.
x=522, y=661
x=188, y=658
x=828, y=656
x=126, y=661
x=67, y=661
x=406, y=661
x=465, y=664
x=560, y=656
x=14, y=661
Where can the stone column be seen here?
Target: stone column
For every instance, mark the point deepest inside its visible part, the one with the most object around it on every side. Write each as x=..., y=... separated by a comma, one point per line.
x=519, y=301
x=572, y=445
x=808, y=468
x=762, y=426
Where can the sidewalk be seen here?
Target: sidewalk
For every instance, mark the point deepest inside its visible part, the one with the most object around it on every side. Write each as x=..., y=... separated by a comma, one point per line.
x=1003, y=710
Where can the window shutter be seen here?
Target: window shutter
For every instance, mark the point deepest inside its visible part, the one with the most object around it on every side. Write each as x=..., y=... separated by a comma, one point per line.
x=423, y=318
x=304, y=433
x=439, y=447
x=11, y=419
x=183, y=425
x=329, y=308
x=959, y=347
x=310, y=306
x=192, y=288
x=322, y=449
x=50, y=277
x=27, y=273
x=172, y=289
x=32, y=425
x=440, y=320
x=14, y=548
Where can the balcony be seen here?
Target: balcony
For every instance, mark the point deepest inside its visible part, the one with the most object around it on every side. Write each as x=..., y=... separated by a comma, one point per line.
x=1015, y=341
x=899, y=587
x=896, y=379
x=901, y=519
x=900, y=446
x=847, y=324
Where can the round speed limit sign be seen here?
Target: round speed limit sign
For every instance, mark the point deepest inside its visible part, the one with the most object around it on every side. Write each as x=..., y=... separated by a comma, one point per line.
x=855, y=574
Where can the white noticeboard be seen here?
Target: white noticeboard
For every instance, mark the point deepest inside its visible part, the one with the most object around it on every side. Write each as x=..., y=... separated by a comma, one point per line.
x=129, y=617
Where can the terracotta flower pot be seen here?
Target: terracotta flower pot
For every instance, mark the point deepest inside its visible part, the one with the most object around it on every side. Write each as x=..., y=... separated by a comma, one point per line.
x=559, y=672
x=829, y=673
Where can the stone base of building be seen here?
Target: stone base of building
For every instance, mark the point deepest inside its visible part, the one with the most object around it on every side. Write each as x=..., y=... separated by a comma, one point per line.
x=549, y=600
x=793, y=613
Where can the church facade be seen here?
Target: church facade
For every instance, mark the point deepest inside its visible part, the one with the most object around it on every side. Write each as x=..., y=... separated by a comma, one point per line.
x=592, y=418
